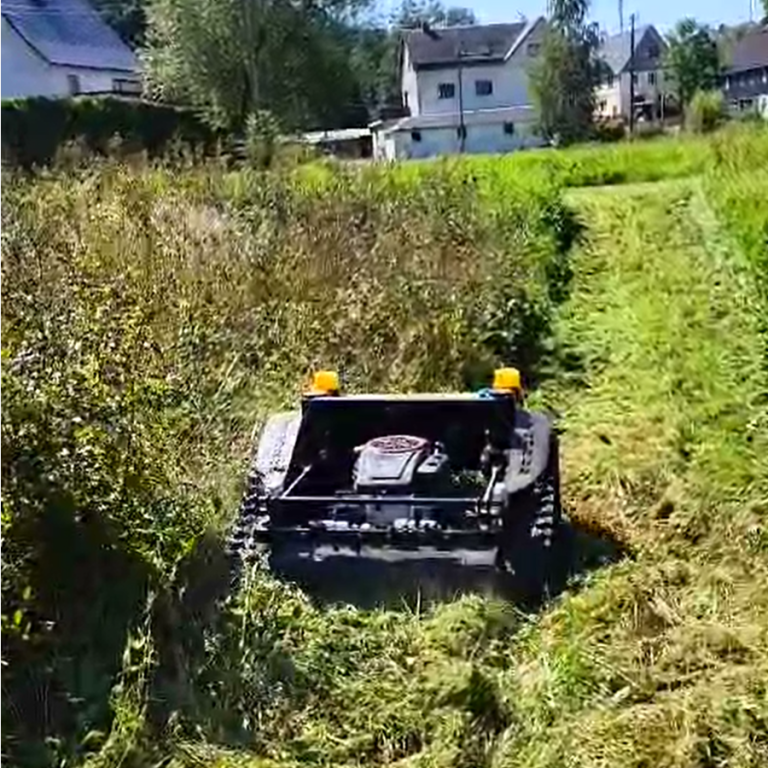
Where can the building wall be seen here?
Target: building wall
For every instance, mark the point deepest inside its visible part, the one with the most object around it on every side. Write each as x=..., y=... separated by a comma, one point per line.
x=510, y=82
x=486, y=138
x=26, y=73
x=410, y=85
x=613, y=101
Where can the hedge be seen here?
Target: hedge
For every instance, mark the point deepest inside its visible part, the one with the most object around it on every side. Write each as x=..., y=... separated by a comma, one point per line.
x=33, y=129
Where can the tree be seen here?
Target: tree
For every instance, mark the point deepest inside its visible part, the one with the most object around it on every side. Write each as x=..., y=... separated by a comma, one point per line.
x=563, y=82
x=126, y=17
x=234, y=58
x=692, y=59
x=413, y=13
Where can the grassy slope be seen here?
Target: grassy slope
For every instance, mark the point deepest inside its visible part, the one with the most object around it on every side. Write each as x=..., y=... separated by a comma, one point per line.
x=664, y=660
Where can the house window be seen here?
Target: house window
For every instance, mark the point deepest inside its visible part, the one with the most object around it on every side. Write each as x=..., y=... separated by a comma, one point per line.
x=446, y=90
x=533, y=49
x=634, y=78
x=609, y=79
x=483, y=87
x=509, y=129
x=73, y=85
x=653, y=51
x=416, y=135
x=651, y=78
x=405, y=99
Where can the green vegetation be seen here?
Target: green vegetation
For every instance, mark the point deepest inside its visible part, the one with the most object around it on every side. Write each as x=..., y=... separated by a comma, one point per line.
x=151, y=316
x=692, y=59
x=564, y=79
x=35, y=129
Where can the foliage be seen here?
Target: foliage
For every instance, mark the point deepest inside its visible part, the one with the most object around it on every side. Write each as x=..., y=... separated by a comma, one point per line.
x=34, y=129
x=412, y=14
x=232, y=58
x=705, y=112
x=564, y=79
x=261, y=134
x=164, y=313
x=692, y=59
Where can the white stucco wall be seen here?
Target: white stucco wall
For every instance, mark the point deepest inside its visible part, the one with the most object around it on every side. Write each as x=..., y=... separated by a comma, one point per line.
x=486, y=138
x=25, y=73
x=618, y=95
x=410, y=84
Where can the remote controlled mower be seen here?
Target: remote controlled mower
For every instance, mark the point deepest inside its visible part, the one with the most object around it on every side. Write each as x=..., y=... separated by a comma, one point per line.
x=419, y=473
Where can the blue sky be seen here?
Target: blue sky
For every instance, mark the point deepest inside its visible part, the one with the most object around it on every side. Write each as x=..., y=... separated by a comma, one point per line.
x=662, y=13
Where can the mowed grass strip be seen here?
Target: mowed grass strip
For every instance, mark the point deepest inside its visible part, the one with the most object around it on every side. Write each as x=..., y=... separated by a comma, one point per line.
x=663, y=659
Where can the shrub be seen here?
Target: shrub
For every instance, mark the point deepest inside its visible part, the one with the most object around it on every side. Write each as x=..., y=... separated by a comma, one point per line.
x=705, y=112
x=34, y=129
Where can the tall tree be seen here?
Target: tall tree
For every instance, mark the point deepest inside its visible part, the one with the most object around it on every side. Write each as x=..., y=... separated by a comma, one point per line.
x=232, y=58
x=563, y=82
x=413, y=13
x=692, y=59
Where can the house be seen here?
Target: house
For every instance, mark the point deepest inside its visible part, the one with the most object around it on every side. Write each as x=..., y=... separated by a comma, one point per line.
x=466, y=90
x=653, y=87
x=62, y=48
x=745, y=82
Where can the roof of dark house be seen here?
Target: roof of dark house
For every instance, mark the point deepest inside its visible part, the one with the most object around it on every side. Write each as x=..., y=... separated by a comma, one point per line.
x=69, y=32
x=751, y=52
x=616, y=50
x=446, y=45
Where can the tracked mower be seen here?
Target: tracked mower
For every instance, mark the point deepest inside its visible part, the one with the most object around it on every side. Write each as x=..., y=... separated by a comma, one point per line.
x=417, y=475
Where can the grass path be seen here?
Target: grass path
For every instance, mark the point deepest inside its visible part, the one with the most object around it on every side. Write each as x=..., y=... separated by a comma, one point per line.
x=663, y=659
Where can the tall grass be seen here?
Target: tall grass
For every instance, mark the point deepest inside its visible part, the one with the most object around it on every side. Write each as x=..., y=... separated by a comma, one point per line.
x=151, y=317
x=149, y=320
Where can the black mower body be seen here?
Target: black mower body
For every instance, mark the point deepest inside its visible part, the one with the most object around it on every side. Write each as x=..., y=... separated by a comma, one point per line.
x=468, y=471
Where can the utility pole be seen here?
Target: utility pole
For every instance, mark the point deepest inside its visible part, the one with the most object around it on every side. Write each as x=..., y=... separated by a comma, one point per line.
x=621, y=17
x=462, y=127
x=631, y=73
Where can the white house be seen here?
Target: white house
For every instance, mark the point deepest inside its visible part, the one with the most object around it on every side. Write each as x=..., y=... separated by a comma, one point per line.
x=62, y=48
x=652, y=85
x=466, y=88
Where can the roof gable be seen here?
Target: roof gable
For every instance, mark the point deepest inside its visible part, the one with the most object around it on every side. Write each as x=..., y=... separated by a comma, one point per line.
x=616, y=50
x=68, y=32
x=479, y=43
x=751, y=52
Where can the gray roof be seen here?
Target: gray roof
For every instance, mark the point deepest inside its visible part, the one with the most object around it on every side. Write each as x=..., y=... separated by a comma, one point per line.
x=69, y=32
x=441, y=46
x=616, y=50
x=751, y=52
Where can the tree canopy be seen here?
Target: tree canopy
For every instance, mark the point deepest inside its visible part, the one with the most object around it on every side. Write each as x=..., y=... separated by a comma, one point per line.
x=692, y=59
x=565, y=77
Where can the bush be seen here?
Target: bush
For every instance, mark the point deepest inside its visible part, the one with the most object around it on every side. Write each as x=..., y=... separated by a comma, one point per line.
x=165, y=313
x=34, y=129
x=705, y=112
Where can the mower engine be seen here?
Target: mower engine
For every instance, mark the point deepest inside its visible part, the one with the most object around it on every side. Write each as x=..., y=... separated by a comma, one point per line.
x=400, y=465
